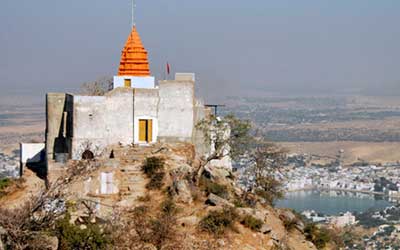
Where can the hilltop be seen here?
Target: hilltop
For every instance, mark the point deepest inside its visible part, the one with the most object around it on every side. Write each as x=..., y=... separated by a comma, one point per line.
x=146, y=198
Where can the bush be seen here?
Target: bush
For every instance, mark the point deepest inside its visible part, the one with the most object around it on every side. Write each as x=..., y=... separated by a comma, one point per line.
x=168, y=207
x=153, y=167
x=73, y=237
x=157, y=230
x=5, y=182
x=269, y=189
x=216, y=222
x=156, y=181
x=163, y=232
x=239, y=203
x=252, y=223
x=215, y=188
x=318, y=236
x=145, y=198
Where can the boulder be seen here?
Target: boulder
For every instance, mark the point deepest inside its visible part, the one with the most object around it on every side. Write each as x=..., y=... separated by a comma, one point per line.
x=215, y=200
x=218, y=174
x=181, y=171
x=265, y=229
x=275, y=236
x=288, y=215
x=52, y=242
x=191, y=221
x=300, y=226
x=149, y=247
x=182, y=191
x=256, y=213
x=248, y=247
x=221, y=243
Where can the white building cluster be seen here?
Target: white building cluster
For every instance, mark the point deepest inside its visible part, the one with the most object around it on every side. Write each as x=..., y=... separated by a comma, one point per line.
x=369, y=179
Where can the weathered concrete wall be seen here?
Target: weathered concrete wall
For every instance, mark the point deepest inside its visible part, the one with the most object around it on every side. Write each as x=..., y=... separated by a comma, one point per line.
x=145, y=107
x=100, y=121
x=59, y=120
x=55, y=105
x=175, y=110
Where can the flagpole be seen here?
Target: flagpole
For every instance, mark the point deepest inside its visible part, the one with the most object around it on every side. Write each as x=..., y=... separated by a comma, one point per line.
x=133, y=12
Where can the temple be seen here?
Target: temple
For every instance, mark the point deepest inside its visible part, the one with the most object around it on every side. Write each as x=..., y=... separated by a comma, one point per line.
x=136, y=111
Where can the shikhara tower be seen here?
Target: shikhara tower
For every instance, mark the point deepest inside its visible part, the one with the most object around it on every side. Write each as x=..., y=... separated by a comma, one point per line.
x=134, y=68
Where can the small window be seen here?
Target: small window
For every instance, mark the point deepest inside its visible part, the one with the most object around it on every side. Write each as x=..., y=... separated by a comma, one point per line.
x=128, y=83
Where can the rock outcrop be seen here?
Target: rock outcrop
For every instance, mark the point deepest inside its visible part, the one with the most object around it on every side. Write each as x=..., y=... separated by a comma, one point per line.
x=102, y=194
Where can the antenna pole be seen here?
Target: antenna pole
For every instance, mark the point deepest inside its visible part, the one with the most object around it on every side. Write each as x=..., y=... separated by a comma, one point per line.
x=133, y=13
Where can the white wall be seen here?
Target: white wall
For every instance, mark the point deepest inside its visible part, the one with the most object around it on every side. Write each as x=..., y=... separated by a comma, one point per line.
x=176, y=110
x=32, y=152
x=102, y=121
x=142, y=82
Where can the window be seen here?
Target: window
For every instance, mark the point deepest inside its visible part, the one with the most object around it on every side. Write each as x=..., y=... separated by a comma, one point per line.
x=128, y=83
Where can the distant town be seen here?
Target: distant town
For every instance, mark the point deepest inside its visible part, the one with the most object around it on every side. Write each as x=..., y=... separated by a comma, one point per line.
x=360, y=177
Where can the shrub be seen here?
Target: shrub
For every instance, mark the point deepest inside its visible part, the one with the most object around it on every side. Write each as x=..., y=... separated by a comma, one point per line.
x=216, y=222
x=269, y=189
x=156, y=181
x=239, y=203
x=243, y=201
x=215, y=188
x=168, y=207
x=162, y=228
x=289, y=224
x=252, y=223
x=318, y=236
x=158, y=230
x=153, y=167
x=5, y=182
x=145, y=198
x=73, y=237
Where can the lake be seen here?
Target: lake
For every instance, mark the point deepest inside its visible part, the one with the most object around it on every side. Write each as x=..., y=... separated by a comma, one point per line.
x=332, y=202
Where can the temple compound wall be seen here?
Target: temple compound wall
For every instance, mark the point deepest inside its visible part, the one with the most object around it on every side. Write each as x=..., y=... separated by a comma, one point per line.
x=166, y=113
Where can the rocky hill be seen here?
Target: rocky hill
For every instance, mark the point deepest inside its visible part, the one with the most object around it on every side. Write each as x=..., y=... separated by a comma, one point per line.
x=145, y=198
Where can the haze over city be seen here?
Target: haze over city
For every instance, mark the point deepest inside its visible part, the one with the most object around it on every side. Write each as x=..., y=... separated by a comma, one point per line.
x=234, y=47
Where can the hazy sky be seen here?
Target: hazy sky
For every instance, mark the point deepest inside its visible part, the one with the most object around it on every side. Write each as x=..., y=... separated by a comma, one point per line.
x=233, y=46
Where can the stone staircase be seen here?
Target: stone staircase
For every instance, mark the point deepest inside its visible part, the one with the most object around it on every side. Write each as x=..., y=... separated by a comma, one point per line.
x=133, y=181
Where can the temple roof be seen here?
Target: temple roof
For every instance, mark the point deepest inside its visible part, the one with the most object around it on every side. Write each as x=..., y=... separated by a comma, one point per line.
x=134, y=60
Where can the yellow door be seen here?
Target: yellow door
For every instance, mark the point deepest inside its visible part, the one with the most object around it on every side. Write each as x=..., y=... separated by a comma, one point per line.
x=149, y=130
x=127, y=83
x=142, y=130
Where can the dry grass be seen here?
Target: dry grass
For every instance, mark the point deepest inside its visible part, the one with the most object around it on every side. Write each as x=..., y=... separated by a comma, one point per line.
x=378, y=152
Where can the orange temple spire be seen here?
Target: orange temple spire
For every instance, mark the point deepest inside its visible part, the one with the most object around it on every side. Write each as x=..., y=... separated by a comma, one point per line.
x=134, y=60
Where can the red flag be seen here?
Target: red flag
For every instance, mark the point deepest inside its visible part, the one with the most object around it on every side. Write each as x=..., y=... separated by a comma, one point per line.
x=168, y=68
